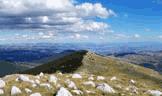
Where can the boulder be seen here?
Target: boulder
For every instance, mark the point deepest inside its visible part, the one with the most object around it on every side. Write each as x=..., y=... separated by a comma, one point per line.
x=37, y=81
x=53, y=79
x=154, y=92
x=71, y=84
x=105, y=88
x=15, y=90
x=2, y=83
x=76, y=76
x=90, y=83
x=63, y=92
x=41, y=74
x=1, y=92
x=24, y=78
x=36, y=94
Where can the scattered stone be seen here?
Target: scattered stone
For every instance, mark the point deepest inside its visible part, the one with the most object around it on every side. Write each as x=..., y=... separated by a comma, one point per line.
x=2, y=83
x=105, y=88
x=132, y=89
x=119, y=86
x=15, y=90
x=36, y=94
x=77, y=92
x=91, y=78
x=113, y=78
x=90, y=92
x=63, y=92
x=34, y=85
x=37, y=77
x=132, y=81
x=154, y=92
x=17, y=79
x=24, y=78
x=71, y=84
x=60, y=73
x=90, y=83
x=100, y=78
x=28, y=90
x=41, y=74
x=1, y=92
x=58, y=85
x=76, y=76
x=53, y=79
x=37, y=81
x=47, y=85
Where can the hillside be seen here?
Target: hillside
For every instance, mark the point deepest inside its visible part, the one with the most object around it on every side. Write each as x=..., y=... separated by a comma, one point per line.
x=149, y=59
x=9, y=68
x=84, y=61
x=84, y=73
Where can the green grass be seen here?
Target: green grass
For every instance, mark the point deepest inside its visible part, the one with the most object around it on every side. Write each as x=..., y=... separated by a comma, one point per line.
x=90, y=63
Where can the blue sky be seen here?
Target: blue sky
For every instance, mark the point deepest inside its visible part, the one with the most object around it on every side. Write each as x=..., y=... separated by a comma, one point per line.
x=80, y=21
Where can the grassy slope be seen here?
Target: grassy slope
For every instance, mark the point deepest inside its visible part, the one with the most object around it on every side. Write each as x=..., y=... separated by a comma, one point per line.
x=87, y=62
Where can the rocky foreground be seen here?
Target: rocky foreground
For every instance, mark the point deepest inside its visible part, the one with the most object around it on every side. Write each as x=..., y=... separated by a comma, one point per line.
x=79, y=84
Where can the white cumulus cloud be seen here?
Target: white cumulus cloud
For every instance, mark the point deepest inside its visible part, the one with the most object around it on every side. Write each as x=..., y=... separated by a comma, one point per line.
x=55, y=15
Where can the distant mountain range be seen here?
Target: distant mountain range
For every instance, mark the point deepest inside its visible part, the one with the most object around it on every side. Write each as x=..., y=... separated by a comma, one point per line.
x=25, y=56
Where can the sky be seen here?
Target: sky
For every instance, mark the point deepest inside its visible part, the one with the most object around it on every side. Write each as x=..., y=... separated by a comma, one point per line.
x=98, y=21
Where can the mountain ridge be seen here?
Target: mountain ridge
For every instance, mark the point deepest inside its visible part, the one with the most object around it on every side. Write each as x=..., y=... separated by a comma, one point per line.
x=84, y=73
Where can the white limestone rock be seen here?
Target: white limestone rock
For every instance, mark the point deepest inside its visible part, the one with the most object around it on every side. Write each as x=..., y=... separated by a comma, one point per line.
x=90, y=83
x=53, y=79
x=34, y=85
x=15, y=90
x=154, y=92
x=60, y=73
x=41, y=74
x=47, y=85
x=36, y=94
x=105, y=88
x=28, y=90
x=113, y=78
x=132, y=81
x=91, y=78
x=132, y=89
x=1, y=91
x=2, y=83
x=24, y=78
x=76, y=76
x=90, y=92
x=58, y=85
x=77, y=92
x=100, y=78
x=37, y=81
x=71, y=84
x=63, y=92
x=37, y=77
